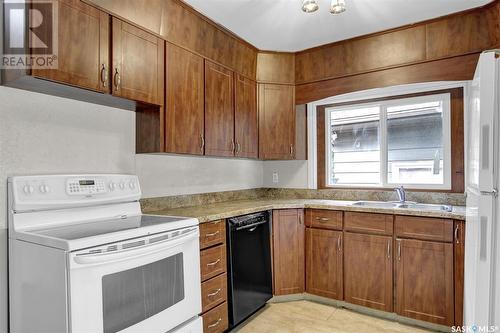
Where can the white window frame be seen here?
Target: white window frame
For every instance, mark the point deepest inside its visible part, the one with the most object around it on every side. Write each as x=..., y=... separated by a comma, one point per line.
x=383, y=105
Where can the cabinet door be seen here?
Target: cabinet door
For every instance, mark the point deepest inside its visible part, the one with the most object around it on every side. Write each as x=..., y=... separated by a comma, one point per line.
x=424, y=280
x=138, y=64
x=459, y=257
x=368, y=270
x=83, y=47
x=219, y=111
x=184, y=130
x=245, y=117
x=324, y=263
x=288, y=251
x=276, y=122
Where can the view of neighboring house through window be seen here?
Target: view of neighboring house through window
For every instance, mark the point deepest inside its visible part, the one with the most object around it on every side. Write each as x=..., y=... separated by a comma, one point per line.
x=390, y=142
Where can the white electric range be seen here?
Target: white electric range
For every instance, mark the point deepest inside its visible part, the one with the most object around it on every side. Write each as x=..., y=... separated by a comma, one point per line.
x=83, y=258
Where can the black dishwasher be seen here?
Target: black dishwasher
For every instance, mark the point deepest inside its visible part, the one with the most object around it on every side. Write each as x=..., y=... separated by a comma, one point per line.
x=249, y=265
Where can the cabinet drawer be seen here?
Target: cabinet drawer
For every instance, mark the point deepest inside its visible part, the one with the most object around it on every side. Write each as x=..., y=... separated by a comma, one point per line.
x=213, y=262
x=212, y=233
x=381, y=224
x=213, y=292
x=322, y=218
x=426, y=228
x=215, y=320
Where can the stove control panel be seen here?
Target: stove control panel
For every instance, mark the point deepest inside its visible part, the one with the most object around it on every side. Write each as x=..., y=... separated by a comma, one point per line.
x=88, y=186
x=33, y=192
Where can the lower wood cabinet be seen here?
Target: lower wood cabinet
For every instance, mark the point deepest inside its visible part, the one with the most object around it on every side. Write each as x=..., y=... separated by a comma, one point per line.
x=424, y=280
x=213, y=276
x=288, y=251
x=213, y=292
x=216, y=320
x=324, y=269
x=458, y=258
x=368, y=270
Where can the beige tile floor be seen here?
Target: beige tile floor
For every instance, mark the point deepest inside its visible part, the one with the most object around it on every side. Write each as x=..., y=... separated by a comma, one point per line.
x=310, y=317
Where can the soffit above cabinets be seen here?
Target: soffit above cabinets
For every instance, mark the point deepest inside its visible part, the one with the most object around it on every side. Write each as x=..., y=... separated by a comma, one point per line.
x=281, y=25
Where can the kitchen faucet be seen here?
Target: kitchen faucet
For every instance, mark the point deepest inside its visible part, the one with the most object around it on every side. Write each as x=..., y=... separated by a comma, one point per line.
x=400, y=190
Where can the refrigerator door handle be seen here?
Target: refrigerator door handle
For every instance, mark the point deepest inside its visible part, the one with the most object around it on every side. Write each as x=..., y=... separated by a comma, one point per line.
x=493, y=193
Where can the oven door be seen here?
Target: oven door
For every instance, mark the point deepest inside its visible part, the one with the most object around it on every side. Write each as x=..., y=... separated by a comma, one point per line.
x=150, y=285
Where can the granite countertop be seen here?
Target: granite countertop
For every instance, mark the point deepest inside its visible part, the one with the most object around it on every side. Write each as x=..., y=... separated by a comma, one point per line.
x=222, y=210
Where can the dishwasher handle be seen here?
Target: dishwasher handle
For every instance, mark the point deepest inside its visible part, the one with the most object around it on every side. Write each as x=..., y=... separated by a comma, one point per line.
x=252, y=226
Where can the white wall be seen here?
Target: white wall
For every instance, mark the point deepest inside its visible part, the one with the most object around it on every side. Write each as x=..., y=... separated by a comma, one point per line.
x=291, y=174
x=163, y=175
x=46, y=134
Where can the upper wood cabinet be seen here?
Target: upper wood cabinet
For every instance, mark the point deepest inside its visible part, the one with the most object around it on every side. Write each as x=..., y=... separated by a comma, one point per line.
x=276, y=67
x=184, y=111
x=83, y=47
x=138, y=64
x=276, y=122
x=368, y=270
x=288, y=251
x=245, y=117
x=324, y=268
x=219, y=111
x=424, y=280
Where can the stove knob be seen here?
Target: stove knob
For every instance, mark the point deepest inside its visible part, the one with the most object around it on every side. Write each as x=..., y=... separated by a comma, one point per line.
x=29, y=189
x=47, y=189
x=112, y=186
x=42, y=189
x=122, y=186
x=26, y=189
x=131, y=185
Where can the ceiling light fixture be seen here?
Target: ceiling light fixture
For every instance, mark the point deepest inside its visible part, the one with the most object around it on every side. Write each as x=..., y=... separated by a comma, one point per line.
x=310, y=6
x=337, y=7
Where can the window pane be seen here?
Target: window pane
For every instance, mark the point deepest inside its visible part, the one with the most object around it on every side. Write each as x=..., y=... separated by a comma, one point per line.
x=415, y=143
x=354, y=146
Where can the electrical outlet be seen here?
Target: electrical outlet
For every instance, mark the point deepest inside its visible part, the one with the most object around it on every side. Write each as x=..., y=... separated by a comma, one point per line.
x=275, y=177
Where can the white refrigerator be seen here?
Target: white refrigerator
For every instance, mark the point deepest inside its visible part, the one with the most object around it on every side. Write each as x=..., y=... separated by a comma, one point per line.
x=482, y=235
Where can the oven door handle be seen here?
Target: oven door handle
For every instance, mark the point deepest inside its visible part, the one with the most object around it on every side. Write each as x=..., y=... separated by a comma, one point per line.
x=135, y=252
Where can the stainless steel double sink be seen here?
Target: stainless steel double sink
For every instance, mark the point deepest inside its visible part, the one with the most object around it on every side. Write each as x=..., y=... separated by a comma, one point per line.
x=403, y=205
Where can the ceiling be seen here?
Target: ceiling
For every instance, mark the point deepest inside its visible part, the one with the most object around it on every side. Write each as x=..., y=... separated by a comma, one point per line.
x=281, y=25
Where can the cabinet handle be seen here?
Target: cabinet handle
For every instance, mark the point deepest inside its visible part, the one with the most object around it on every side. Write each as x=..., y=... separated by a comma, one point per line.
x=202, y=142
x=212, y=234
x=117, y=79
x=215, y=293
x=339, y=244
x=322, y=219
x=233, y=146
x=238, y=147
x=104, y=75
x=215, y=324
x=399, y=250
x=457, y=240
x=389, y=249
x=214, y=263
x=291, y=150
